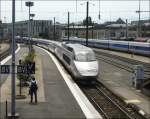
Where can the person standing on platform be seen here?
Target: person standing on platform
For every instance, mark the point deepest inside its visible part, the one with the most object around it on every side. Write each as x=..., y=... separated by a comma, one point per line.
x=33, y=89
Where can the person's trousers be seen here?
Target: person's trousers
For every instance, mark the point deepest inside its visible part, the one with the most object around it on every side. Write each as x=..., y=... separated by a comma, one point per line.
x=35, y=95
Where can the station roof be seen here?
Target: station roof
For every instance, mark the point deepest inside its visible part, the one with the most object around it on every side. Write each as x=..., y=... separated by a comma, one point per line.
x=79, y=47
x=79, y=27
x=116, y=26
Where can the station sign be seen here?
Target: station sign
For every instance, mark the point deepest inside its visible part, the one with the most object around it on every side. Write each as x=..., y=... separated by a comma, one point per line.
x=21, y=69
x=4, y=69
x=26, y=69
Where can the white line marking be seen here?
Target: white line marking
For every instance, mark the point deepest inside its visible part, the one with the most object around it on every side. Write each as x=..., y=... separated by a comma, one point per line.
x=88, y=109
x=9, y=57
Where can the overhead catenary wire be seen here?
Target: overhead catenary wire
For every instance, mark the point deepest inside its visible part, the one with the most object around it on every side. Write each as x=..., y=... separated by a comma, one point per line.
x=114, y=13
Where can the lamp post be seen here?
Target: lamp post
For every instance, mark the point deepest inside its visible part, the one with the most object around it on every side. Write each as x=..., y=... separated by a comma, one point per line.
x=99, y=15
x=139, y=23
x=73, y=29
x=0, y=10
x=13, y=92
x=13, y=84
x=68, y=24
x=29, y=4
x=31, y=15
x=54, y=32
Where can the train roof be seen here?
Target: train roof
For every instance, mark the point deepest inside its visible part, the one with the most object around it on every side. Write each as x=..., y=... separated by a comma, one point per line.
x=79, y=48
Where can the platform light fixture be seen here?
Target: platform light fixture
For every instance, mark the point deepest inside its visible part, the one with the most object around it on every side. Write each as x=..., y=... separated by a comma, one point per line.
x=29, y=4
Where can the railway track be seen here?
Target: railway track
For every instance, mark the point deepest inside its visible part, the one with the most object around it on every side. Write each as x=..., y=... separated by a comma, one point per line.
x=7, y=52
x=108, y=104
x=122, y=63
x=4, y=54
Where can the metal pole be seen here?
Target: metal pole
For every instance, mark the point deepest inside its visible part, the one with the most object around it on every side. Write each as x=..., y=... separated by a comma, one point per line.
x=93, y=30
x=0, y=75
x=73, y=29
x=0, y=10
x=149, y=12
x=29, y=31
x=139, y=24
x=54, y=30
x=99, y=16
x=87, y=30
x=126, y=29
x=6, y=106
x=68, y=24
x=13, y=92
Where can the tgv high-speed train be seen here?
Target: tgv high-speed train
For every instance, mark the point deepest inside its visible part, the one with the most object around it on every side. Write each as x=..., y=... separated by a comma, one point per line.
x=78, y=59
x=126, y=46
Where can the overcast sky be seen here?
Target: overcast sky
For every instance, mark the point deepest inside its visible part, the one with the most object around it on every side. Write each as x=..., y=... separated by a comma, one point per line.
x=46, y=10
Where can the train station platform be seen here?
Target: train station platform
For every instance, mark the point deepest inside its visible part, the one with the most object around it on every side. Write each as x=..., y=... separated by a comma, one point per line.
x=119, y=81
x=55, y=98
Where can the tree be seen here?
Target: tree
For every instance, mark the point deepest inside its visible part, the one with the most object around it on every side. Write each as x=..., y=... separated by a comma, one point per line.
x=89, y=21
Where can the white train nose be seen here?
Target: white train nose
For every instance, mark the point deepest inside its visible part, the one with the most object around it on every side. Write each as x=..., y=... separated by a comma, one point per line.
x=87, y=68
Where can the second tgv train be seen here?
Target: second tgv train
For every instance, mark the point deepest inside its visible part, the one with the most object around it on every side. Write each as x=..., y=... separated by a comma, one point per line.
x=126, y=46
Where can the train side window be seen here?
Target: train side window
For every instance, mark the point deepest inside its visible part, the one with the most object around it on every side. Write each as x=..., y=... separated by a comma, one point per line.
x=66, y=58
x=70, y=49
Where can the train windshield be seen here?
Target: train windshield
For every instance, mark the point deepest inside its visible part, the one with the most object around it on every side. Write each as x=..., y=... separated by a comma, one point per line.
x=85, y=57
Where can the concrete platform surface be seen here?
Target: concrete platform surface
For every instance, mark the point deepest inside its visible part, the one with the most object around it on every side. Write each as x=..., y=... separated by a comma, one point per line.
x=119, y=81
x=58, y=103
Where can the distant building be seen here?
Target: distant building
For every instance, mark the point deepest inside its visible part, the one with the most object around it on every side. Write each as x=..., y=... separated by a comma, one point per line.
x=76, y=30
x=144, y=27
x=142, y=22
x=58, y=31
x=108, y=30
x=37, y=28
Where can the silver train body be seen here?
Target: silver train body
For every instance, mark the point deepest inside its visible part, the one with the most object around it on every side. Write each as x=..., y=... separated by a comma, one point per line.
x=141, y=48
x=78, y=59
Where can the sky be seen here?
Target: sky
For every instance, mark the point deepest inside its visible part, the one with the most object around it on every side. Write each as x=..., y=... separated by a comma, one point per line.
x=47, y=9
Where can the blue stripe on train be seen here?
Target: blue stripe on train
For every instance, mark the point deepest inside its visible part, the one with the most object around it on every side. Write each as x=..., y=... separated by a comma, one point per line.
x=98, y=44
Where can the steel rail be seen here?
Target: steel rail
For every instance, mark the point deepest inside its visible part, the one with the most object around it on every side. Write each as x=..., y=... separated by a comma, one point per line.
x=4, y=54
x=118, y=106
x=133, y=110
x=124, y=59
x=103, y=110
x=105, y=114
x=120, y=65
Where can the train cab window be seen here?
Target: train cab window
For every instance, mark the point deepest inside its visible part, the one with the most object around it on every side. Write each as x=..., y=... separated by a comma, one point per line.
x=66, y=58
x=85, y=57
x=70, y=49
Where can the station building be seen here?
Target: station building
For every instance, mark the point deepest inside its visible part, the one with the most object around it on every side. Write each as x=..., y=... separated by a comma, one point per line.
x=107, y=30
x=115, y=30
x=37, y=28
